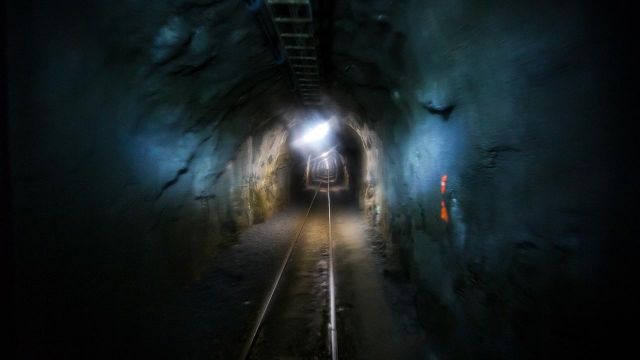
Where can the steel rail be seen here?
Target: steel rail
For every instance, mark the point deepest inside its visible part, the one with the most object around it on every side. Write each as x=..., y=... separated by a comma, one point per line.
x=332, y=293
x=267, y=303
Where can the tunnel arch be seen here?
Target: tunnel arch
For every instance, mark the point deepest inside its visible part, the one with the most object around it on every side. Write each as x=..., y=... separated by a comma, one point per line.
x=361, y=148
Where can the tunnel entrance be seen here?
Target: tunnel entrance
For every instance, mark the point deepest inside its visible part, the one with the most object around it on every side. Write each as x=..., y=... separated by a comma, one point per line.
x=343, y=155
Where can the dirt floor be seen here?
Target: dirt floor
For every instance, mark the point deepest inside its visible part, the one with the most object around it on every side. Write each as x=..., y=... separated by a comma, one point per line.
x=376, y=315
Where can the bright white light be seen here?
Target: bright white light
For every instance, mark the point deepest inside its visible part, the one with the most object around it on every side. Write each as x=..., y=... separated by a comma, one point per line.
x=317, y=133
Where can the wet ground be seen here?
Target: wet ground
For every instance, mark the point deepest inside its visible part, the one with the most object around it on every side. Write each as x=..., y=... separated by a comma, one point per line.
x=376, y=315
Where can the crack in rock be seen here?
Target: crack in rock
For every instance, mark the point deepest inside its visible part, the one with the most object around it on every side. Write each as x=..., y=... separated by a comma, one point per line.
x=183, y=170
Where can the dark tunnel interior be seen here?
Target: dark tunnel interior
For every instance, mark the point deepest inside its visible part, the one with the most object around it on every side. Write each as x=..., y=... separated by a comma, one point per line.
x=348, y=150
x=318, y=179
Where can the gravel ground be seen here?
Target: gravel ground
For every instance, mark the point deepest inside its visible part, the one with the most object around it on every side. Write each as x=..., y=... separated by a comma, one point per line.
x=296, y=326
x=376, y=316
x=214, y=316
x=376, y=313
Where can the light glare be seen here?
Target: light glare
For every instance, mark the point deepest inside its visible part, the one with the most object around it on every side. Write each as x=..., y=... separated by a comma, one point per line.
x=317, y=133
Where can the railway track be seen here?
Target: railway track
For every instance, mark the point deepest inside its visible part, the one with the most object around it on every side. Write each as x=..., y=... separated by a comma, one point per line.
x=267, y=304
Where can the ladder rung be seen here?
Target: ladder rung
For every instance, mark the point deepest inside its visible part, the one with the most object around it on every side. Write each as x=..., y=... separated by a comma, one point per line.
x=301, y=51
x=289, y=41
x=296, y=56
x=298, y=47
x=292, y=20
x=292, y=35
x=293, y=2
x=302, y=62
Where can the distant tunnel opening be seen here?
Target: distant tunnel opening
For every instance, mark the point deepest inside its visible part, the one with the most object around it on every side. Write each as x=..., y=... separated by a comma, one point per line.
x=342, y=152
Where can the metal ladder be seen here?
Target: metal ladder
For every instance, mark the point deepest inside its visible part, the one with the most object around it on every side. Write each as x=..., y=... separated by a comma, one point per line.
x=293, y=21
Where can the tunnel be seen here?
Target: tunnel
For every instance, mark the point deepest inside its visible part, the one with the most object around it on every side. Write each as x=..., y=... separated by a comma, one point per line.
x=304, y=179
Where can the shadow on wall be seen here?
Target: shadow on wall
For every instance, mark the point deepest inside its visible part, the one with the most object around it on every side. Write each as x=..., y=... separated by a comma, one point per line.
x=371, y=197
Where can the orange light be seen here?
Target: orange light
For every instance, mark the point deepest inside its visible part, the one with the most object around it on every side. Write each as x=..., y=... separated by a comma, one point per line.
x=443, y=184
x=444, y=215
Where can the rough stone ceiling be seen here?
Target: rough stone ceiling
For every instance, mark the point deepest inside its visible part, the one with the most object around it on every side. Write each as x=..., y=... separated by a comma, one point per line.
x=211, y=57
x=207, y=56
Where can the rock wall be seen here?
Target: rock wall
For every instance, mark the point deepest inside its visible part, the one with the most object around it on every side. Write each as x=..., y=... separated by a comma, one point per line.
x=260, y=177
x=493, y=127
x=371, y=197
x=124, y=119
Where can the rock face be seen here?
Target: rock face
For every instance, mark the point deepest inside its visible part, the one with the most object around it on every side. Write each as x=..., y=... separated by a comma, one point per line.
x=495, y=164
x=131, y=164
x=143, y=135
x=259, y=177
